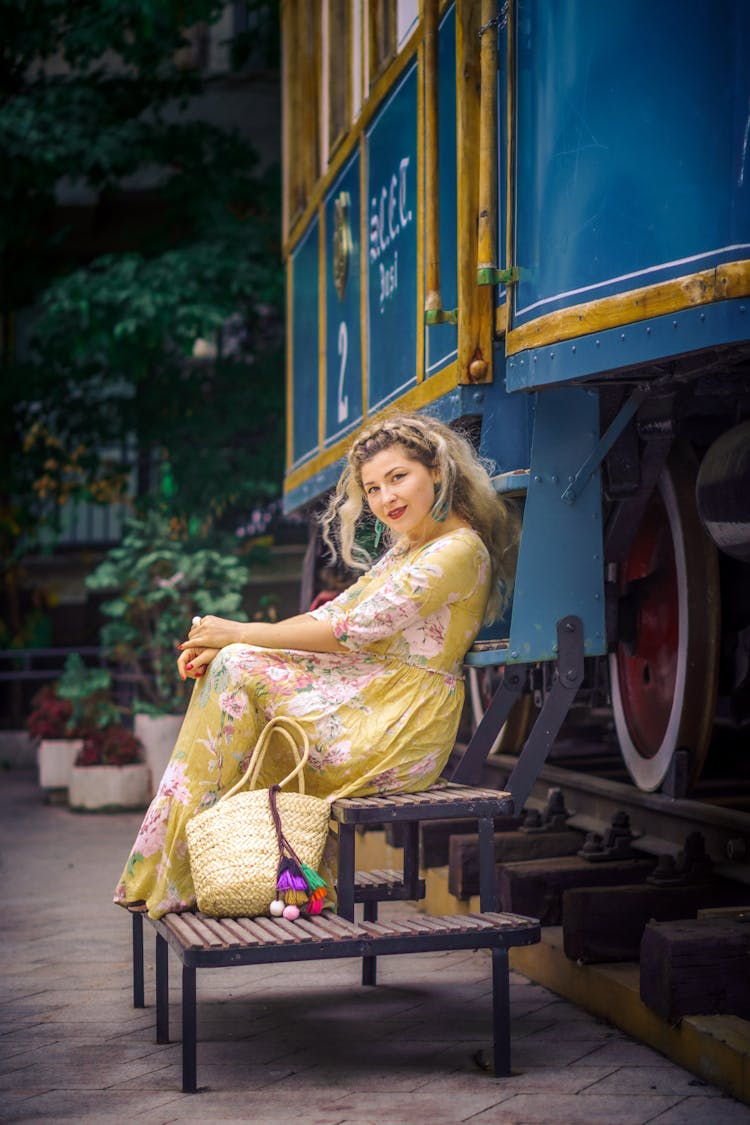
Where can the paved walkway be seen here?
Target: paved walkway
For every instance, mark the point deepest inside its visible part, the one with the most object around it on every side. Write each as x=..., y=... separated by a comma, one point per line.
x=304, y=1041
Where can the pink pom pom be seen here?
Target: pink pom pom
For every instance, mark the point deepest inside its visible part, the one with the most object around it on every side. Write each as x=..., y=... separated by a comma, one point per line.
x=291, y=912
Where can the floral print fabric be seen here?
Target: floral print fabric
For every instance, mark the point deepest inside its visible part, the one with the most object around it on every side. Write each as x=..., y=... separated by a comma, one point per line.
x=382, y=716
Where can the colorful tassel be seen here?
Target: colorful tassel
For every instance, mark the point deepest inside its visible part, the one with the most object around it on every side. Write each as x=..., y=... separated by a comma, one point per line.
x=289, y=882
x=295, y=897
x=317, y=899
x=314, y=881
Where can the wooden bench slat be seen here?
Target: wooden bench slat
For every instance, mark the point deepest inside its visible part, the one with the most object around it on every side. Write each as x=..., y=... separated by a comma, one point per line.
x=257, y=931
x=328, y=927
x=337, y=926
x=387, y=878
x=452, y=923
x=181, y=929
x=217, y=927
x=201, y=931
x=275, y=932
x=234, y=926
x=365, y=879
x=379, y=929
x=397, y=927
x=426, y=924
x=381, y=877
x=291, y=928
x=477, y=921
x=415, y=924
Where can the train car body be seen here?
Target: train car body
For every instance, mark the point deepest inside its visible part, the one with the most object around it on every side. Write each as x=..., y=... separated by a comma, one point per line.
x=533, y=217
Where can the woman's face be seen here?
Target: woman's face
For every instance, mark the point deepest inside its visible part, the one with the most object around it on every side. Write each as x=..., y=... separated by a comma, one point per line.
x=401, y=493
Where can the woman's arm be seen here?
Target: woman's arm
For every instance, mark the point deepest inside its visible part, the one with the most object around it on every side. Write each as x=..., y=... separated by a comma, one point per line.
x=301, y=632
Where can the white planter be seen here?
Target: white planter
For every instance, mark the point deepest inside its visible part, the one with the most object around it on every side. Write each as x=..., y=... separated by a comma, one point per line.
x=55, y=759
x=158, y=734
x=109, y=788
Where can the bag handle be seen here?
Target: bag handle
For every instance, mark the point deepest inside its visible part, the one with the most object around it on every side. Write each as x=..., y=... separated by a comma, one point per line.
x=279, y=724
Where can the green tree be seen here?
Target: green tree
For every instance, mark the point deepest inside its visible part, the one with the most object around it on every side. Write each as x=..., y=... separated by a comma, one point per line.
x=92, y=92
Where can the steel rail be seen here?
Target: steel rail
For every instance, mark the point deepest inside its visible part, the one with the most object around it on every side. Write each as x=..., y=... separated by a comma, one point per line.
x=660, y=824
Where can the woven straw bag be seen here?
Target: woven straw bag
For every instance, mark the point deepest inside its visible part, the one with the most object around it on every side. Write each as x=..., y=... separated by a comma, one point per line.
x=236, y=846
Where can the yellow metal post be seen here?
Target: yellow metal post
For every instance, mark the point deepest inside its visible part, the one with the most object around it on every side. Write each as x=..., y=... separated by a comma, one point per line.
x=475, y=303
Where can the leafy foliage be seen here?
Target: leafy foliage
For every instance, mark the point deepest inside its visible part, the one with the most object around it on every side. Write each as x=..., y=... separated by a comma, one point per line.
x=162, y=575
x=88, y=691
x=78, y=704
x=49, y=716
x=113, y=746
x=93, y=92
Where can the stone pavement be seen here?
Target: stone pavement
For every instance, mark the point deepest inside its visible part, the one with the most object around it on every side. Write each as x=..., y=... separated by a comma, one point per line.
x=294, y=1041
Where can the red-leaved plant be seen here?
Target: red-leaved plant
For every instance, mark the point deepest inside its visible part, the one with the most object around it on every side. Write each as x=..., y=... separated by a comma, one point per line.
x=50, y=716
x=111, y=746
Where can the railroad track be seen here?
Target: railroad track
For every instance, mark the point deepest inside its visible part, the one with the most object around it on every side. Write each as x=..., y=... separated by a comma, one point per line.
x=592, y=782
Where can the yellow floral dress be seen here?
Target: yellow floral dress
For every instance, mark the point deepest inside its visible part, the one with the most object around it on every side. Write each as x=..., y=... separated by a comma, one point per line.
x=382, y=717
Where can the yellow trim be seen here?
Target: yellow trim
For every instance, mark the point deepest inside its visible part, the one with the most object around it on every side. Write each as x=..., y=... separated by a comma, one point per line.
x=322, y=340
x=475, y=302
x=415, y=399
x=364, y=260
x=720, y=283
x=421, y=202
x=715, y=1047
x=501, y=318
x=510, y=152
x=289, y=360
x=378, y=92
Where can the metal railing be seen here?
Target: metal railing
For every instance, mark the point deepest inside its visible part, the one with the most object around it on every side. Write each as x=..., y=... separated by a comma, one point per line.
x=23, y=670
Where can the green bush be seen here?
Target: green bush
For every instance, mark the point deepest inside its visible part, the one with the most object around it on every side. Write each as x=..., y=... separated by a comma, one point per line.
x=160, y=576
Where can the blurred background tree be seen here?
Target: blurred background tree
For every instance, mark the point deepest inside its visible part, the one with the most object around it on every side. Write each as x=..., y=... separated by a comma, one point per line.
x=161, y=321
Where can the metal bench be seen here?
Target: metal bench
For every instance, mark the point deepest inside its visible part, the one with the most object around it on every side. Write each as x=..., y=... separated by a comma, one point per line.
x=202, y=943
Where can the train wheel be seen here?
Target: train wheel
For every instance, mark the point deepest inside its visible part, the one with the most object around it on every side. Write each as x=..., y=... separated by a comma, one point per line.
x=663, y=674
x=481, y=683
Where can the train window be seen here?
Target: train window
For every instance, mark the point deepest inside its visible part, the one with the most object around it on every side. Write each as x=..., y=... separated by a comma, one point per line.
x=408, y=18
x=338, y=64
x=301, y=86
x=381, y=34
x=357, y=58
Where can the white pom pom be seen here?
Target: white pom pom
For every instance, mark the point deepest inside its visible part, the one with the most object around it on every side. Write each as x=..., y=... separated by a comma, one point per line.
x=276, y=908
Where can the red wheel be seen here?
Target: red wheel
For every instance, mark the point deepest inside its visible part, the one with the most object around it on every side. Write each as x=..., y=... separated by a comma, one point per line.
x=663, y=673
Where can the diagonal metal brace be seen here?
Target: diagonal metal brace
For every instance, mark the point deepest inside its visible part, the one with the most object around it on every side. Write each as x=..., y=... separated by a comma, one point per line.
x=469, y=769
x=603, y=446
x=568, y=679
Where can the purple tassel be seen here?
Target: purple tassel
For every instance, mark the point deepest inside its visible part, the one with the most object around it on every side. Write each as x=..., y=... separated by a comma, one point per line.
x=290, y=882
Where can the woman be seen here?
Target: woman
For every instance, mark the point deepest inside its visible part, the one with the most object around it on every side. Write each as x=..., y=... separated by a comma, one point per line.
x=373, y=675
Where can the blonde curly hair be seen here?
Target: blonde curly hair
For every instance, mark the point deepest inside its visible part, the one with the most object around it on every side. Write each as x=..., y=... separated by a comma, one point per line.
x=464, y=487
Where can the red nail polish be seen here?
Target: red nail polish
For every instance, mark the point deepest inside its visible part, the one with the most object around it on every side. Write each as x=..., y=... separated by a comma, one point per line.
x=189, y=667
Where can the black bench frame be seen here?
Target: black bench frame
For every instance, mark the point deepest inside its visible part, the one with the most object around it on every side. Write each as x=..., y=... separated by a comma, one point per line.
x=324, y=937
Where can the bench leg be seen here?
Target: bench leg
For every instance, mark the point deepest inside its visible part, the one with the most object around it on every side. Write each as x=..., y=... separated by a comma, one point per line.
x=500, y=1013
x=487, y=885
x=369, y=964
x=162, y=990
x=189, y=1031
x=345, y=875
x=138, y=989
x=411, y=858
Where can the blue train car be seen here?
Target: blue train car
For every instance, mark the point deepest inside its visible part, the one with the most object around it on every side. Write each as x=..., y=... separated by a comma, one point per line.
x=533, y=217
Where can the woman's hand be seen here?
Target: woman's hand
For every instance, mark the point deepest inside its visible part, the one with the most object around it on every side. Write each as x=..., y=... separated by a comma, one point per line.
x=215, y=632
x=193, y=661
